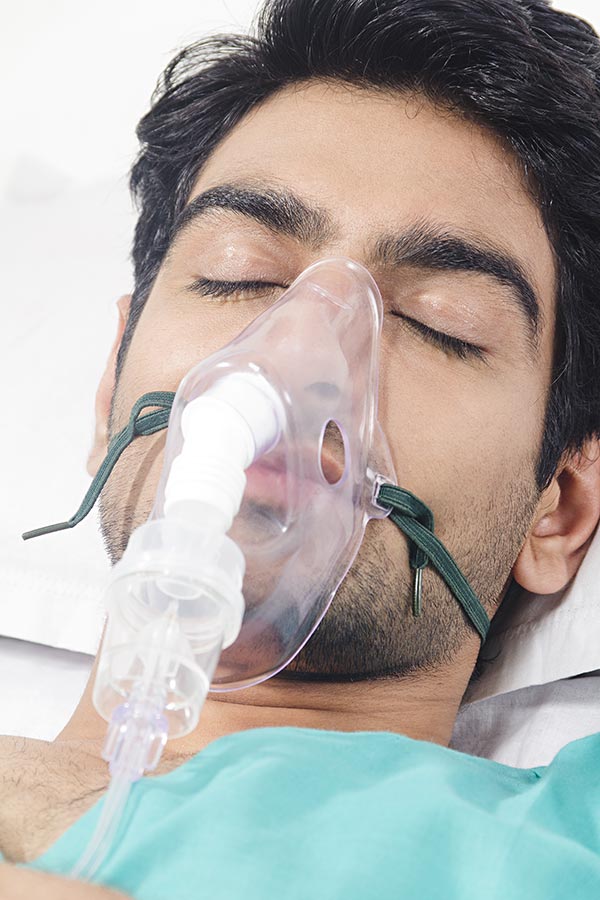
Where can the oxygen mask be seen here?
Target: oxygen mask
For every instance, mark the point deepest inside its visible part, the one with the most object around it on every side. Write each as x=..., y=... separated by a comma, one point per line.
x=273, y=466
x=269, y=479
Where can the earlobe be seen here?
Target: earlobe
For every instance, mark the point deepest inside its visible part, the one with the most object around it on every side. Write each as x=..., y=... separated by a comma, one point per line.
x=105, y=392
x=563, y=526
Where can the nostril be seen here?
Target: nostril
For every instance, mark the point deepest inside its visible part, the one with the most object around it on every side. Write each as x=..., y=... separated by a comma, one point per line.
x=324, y=389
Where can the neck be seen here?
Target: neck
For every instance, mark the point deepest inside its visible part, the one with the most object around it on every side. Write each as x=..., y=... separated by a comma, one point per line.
x=421, y=705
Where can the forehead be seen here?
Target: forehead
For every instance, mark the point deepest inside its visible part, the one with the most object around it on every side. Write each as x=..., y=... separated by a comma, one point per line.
x=380, y=161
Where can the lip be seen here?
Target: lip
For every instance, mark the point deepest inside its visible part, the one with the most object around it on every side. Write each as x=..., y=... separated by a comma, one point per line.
x=269, y=483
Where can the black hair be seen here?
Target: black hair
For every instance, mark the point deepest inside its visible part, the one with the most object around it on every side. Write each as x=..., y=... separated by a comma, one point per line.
x=526, y=71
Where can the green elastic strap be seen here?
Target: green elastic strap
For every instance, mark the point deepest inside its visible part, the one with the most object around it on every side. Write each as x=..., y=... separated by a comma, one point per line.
x=409, y=513
x=415, y=519
x=138, y=424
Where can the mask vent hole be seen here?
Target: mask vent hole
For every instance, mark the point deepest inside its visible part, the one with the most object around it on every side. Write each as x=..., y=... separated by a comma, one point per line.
x=332, y=453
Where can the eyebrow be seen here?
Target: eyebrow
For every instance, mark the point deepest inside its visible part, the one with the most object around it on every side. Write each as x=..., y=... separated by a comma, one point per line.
x=430, y=247
x=422, y=245
x=280, y=211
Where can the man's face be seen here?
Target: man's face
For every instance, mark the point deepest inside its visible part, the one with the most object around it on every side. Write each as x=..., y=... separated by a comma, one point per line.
x=437, y=210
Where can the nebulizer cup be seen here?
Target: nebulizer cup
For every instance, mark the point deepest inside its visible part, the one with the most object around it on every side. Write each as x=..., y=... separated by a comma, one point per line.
x=272, y=464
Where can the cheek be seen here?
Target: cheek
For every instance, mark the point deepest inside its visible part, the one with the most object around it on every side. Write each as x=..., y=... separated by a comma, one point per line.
x=168, y=342
x=454, y=429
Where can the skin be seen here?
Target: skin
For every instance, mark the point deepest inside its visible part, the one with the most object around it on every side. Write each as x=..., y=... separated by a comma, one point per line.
x=480, y=420
x=22, y=884
x=474, y=425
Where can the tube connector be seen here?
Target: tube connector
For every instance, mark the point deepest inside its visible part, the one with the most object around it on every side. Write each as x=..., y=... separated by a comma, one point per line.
x=224, y=430
x=135, y=740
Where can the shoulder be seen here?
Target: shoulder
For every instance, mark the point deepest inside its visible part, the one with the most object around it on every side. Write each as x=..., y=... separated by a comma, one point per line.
x=44, y=787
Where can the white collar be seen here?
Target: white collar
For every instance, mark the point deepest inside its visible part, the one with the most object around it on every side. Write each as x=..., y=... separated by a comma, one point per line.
x=540, y=639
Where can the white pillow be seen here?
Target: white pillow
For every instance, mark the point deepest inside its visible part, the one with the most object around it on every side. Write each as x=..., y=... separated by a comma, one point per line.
x=537, y=640
x=58, y=328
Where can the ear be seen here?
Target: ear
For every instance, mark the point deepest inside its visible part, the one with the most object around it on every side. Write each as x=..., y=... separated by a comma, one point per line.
x=563, y=525
x=105, y=392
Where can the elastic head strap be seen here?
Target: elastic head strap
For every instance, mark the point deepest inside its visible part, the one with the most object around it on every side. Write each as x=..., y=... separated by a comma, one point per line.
x=138, y=424
x=410, y=514
x=415, y=520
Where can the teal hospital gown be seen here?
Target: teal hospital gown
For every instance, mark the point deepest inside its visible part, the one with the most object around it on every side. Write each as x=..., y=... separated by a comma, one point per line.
x=301, y=814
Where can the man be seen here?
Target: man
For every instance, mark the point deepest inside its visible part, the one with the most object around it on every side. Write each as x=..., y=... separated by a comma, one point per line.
x=451, y=149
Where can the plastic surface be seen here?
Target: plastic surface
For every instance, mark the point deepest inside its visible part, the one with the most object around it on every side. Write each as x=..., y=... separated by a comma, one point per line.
x=174, y=600
x=274, y=439
x=102, y=838
x=224, y=430
x=307, y=498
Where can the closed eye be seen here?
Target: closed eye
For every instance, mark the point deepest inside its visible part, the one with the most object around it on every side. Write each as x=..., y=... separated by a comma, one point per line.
x=452, y=345
x=244, y=290
x=234, y=290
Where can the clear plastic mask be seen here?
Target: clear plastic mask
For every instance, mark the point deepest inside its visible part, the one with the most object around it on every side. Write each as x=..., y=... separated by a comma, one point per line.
x=308, y=498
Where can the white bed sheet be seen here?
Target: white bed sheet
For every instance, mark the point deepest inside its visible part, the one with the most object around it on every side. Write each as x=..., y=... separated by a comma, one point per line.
x=39, y=687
